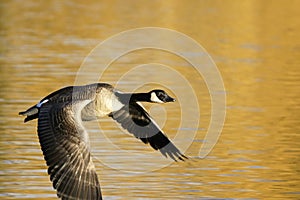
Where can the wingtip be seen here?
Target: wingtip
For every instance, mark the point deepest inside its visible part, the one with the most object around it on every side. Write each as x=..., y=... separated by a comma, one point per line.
x=26, y=120
x=180, y=157
x=22, y=113
x=184, y=157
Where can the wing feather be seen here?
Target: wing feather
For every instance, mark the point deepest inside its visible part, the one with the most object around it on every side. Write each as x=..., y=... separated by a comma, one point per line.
x=138, y=122
x=66, y=153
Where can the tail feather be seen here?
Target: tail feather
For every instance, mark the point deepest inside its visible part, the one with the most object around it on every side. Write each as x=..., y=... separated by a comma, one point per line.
x=31, y=113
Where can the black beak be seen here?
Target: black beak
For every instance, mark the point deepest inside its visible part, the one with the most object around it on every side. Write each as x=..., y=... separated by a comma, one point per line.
x=170, y=99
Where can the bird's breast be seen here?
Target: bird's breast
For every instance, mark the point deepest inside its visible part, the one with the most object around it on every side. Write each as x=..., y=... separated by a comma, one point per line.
x=106, y=102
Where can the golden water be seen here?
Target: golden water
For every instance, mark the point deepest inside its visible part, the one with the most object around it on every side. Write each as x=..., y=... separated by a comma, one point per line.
x=256, y=46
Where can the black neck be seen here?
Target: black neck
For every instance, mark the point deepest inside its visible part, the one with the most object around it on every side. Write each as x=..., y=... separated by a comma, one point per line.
x=140, y=97
x=134, y=97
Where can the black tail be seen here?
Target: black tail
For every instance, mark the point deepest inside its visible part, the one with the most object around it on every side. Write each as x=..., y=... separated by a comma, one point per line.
x=31, y=113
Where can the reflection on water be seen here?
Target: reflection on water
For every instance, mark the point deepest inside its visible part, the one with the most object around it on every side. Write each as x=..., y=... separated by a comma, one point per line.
x=255, y=45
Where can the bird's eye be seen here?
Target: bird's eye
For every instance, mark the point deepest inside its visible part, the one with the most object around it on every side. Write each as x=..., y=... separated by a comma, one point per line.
x=161, y=95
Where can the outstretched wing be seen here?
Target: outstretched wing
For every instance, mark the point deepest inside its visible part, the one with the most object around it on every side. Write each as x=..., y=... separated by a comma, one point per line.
x=64, y=142
x=137, y=121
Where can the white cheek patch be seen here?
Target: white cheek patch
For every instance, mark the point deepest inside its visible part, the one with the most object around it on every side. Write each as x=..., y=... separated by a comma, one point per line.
x=154, y=98
x=41, y=103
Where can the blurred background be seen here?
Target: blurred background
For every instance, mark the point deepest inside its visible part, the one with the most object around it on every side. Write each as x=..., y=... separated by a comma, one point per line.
x=256, y=46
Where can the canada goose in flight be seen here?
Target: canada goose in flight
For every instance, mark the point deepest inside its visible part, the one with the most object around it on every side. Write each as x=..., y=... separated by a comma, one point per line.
x=65, y=142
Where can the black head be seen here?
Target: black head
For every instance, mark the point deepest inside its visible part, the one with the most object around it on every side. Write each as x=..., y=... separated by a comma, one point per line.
x=160, y=96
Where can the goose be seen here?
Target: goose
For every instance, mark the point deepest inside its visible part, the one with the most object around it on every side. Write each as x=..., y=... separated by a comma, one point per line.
x=64, y=140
